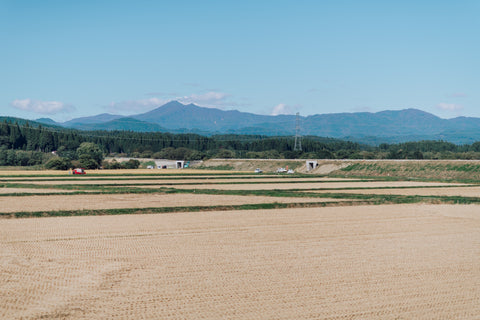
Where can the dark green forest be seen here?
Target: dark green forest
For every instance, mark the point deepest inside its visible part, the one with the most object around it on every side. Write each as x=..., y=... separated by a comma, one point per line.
x=24, y=144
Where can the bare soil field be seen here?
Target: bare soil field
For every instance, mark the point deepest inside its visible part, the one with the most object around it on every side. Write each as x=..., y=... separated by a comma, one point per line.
x=31, y=190
x=364, y=262
x=49, y=203
x=395, y=261
x=177, y=180
x=329, y=185
x=31, y=172
x=446, y=191
x=120, y=175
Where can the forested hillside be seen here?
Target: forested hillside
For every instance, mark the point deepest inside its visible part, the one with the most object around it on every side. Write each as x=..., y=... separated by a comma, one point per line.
x=32, y=144
x=390, y=126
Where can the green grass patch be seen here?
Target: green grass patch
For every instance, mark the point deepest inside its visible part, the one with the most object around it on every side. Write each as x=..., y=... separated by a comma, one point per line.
x=261, y=206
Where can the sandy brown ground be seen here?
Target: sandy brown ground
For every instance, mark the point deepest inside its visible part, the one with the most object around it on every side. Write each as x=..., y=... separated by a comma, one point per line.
x=168, y=180
x=371, y=262
x=31, y=172
x=332, y=185
x=119, y=176
x=48, y=203
x=454, y=191
x=32, y=190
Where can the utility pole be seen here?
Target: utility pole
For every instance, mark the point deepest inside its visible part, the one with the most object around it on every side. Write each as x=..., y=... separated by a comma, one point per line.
x=298, y=137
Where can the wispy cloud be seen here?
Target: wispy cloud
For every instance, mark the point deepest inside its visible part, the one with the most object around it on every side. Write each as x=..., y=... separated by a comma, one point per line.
x=42, y=107
x=449, y=107
x=283, y=108
x=135, y=106
x=210, y=99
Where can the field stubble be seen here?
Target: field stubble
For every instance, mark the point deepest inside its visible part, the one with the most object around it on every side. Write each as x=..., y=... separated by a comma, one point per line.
x=369, y=262
x=50, y=203
x=412, y=261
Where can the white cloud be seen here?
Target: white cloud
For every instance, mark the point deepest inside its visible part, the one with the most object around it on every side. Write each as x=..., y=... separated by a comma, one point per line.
x=42, y=107
x=449, y=106
x=135, y=106
x=210, y=99
x=283, y=108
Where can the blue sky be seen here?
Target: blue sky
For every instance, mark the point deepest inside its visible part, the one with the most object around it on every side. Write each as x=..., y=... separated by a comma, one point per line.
x=66, y=59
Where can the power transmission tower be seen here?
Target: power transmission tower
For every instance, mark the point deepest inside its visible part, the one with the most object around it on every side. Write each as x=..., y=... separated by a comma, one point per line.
x=298, y=137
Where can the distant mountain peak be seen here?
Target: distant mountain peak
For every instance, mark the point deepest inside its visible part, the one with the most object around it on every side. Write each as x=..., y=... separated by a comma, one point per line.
x=173, y=103
x=47, y=121
x=389, y=125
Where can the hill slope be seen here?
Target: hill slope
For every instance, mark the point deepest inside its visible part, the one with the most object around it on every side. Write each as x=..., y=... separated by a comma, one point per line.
x=384, y=126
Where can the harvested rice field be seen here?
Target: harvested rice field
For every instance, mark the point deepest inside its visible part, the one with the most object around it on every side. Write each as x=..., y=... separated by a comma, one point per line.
x=169, y=180
x=30, y=190
x=367, y=262
x=471, y=191
x=316, y=185
x=236, y=246
x=119, y=201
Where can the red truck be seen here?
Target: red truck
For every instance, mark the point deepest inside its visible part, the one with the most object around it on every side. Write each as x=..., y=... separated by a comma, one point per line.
x=78, y=171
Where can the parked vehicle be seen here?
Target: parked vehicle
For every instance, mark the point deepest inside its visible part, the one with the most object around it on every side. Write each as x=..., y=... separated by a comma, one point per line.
x=290, y=171
x=258, y=170
x=281, y=170
x=78, y=171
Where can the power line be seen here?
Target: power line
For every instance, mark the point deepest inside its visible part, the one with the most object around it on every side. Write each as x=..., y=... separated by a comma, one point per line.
x=298, y=137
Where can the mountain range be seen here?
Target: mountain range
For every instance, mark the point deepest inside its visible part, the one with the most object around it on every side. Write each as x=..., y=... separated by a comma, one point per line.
x=366, y=127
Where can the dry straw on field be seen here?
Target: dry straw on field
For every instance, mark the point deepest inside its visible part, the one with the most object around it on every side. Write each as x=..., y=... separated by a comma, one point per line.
x=380, y=262
x=119, y=201
x=412, y=261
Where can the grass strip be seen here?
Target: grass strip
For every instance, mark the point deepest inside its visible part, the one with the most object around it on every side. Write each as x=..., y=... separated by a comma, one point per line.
x=298, y=193
x=261, y=206
x=373, y=198
x=358, y=200
x=355, y=200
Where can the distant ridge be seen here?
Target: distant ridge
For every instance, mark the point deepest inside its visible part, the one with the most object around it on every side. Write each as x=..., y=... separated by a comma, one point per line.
x=175, y=115
x=386, y=126
x=49, y=123
x=101, y=118
x=125, y=124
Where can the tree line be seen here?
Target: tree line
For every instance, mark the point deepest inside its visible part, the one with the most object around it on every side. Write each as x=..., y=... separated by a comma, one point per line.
x=29, y=145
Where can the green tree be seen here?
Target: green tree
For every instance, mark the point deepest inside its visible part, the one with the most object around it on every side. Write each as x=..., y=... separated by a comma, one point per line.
x=58, y=163
x=225, y=154
x=131, y=164
x=90, y=155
